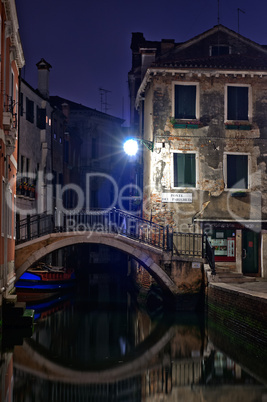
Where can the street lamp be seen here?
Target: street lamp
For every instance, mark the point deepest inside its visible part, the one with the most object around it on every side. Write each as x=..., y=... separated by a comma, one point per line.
x=131, y=145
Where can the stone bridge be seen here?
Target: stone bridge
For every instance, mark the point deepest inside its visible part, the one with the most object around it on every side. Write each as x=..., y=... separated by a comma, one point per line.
x=172, y=259
x=150, y=257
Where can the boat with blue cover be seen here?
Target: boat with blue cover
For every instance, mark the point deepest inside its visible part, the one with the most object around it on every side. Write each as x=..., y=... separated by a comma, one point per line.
x=43, y=282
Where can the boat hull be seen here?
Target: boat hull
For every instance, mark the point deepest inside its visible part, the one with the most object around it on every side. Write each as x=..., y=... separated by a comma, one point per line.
x=43, y=285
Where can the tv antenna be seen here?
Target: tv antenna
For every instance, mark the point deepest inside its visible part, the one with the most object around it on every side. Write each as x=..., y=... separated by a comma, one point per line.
x=104, y=99
x=238, y=12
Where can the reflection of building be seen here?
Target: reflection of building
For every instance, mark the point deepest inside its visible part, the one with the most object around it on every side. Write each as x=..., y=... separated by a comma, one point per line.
x=12, y=59
x=202, y=104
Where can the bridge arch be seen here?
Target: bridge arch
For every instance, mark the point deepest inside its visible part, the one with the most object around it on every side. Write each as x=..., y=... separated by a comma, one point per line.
x=30, y=252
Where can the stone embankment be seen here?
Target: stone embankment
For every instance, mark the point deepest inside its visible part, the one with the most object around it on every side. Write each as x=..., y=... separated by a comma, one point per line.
x=237, y=317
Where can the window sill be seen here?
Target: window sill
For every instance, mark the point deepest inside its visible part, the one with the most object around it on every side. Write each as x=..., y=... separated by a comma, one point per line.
x=188, y=125
x=238, y=126
x=239, y=194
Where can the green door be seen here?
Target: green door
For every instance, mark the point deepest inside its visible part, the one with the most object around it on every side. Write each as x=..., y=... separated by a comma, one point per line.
x=250, y=253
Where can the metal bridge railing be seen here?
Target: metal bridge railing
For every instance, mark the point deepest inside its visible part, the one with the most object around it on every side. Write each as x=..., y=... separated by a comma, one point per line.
x=112, y=221
x=188, y=244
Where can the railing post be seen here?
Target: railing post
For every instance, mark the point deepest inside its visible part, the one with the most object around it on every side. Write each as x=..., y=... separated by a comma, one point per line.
x=170, y=241
x=17, y=227
x=38, y=225
x=28, y=227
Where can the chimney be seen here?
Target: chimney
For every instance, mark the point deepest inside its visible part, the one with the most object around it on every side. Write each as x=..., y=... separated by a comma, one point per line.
x=43, y=77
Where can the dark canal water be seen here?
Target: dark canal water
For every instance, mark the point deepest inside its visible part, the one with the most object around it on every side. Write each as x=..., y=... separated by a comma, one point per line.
x=98, y=344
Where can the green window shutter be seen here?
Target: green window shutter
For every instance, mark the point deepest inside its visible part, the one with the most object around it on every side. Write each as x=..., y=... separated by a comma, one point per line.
x=184, y=170
x=237, y=103
x=185, y=101
x=237, y=171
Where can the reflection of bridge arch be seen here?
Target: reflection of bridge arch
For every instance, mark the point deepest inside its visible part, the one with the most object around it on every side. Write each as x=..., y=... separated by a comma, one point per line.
x=30, y=252
x=40, y=366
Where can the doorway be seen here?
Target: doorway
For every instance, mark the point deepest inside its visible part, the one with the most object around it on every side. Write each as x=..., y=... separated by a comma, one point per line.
x=250, y=252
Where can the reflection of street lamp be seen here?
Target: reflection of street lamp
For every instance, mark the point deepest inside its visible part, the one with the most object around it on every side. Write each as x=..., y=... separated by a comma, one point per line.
x=131, y=146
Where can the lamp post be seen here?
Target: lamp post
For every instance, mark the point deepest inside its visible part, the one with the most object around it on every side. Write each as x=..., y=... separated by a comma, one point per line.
x=131, y=145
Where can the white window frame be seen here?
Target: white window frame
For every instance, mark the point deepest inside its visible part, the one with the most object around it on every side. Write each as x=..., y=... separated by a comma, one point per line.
x=225, y=170
x=174, y=83
x=196, y=164
x=249, y=101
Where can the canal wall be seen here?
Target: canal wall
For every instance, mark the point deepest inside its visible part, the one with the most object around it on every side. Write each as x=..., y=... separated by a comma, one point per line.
x=187, y=275
x=237, y=323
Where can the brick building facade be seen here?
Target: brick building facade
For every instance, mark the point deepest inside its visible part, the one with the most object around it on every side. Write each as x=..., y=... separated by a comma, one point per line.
x=12, y=60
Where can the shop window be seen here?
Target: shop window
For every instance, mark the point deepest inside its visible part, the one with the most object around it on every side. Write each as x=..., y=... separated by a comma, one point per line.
x=185, y=101
x=237, y=103
x=184, y=170
x=237, y=171
x=224, y=244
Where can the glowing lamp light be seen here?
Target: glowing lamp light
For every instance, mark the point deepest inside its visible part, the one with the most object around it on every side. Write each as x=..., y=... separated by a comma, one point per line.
x=130, y=147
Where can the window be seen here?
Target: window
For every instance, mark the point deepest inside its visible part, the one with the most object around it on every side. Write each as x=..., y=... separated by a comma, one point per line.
x=218, y=50
x=21, y=104
x=238, y=107
x=11, y=84
x=185, y=101
x=41, y=118
x=3, y=208
x=10, y=212
x=184, y=170
x=29, y=110
x=237, y=171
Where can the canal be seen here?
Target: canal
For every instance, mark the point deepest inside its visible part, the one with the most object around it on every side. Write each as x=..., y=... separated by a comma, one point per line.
x=98, y=343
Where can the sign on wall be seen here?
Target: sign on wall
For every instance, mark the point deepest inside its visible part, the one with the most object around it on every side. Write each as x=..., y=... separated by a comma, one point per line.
x=176, y=197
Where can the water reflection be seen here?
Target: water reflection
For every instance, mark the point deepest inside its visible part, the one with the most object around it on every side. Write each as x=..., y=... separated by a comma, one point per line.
x=86, y=348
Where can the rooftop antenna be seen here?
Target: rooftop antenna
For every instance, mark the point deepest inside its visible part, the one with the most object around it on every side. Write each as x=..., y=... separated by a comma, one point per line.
x=238, y=11
x=104, y=99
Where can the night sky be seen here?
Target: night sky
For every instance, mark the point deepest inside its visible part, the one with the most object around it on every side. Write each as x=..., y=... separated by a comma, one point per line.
x=88, y=43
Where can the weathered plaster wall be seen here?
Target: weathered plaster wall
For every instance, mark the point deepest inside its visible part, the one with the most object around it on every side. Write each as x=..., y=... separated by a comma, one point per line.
x=210, y=142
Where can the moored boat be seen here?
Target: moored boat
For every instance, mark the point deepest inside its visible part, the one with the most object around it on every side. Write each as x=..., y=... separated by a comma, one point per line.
x=43, y=282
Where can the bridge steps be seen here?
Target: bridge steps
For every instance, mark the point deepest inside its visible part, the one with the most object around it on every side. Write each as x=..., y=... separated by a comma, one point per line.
x=228, y=276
